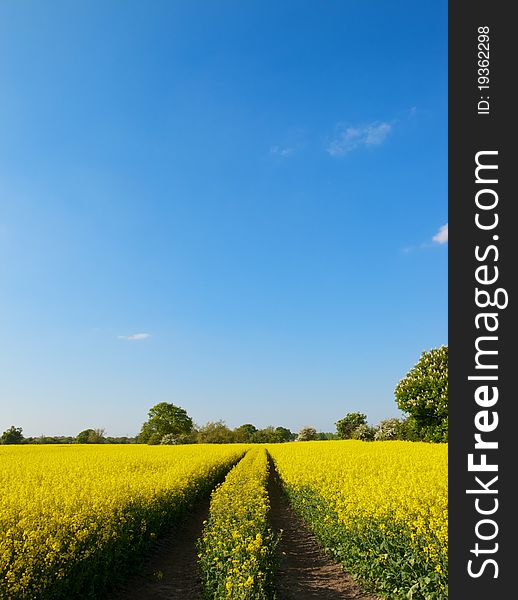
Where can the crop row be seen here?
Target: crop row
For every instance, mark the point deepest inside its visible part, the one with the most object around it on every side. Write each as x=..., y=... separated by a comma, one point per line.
x=379, y=508
x=237, y=547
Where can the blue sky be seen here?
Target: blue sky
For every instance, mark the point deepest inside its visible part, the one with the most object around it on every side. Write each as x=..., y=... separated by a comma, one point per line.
x=237, y=207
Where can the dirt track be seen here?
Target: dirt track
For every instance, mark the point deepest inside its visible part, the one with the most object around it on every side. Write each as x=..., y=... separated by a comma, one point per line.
x=171, y=571
x=305, y=571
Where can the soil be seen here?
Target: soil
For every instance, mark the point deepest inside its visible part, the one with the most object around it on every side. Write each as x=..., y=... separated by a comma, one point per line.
x=305, y=572
x=170, y=572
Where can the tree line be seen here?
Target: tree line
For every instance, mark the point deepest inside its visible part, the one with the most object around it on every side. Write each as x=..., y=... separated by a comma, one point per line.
x=422, y=394
x=166, y=431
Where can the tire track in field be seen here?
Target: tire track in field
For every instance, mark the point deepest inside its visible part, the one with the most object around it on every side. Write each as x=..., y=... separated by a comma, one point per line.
x=304, y=571
x=170, y=572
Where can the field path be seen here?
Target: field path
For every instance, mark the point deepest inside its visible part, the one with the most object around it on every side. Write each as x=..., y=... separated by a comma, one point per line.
x=305, y=571
x=170, y=572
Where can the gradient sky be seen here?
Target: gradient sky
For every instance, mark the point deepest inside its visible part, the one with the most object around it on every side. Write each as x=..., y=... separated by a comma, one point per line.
x=239, y=207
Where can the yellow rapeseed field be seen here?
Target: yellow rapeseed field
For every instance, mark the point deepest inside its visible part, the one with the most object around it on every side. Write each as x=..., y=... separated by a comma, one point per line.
x=380, y=506
x=236, y=549
x=70, y=515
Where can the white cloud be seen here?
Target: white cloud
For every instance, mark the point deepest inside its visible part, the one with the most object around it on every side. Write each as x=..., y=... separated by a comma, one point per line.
x=351, y=138
x=280, y=151
x=441, y=237
x=135, y=336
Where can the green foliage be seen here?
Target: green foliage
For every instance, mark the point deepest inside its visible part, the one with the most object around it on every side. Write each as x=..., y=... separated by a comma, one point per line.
x=47, y=439
x=381, y=555
x=90, y=436
x=215, y=432
x=13, y=435
x=154, y=439
x=83, y=436
x=349, y=423
x=67, y=439
x=164, y=418
x=307, y=434
x=327, y=435
x=409, y=430
x=423, y=394
x=271, y=435
x=264, y=436
x=244, y=433
x=282, y=434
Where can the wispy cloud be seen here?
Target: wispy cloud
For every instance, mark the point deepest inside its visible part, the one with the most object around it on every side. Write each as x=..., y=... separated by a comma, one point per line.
x=282, y=151
x=135, y=336
x=352, y=138
x=441, y=237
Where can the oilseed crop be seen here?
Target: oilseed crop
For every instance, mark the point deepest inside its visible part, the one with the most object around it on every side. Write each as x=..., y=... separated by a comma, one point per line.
x=75, y=518
x=70, y=516
x=378, y=507
x=236, y=550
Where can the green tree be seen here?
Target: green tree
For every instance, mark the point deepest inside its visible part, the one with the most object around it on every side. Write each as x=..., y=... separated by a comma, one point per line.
x=215, y=432
x=307, y=434
x=283, y=434
x=423, y=394
x=90, y=436
x=13, y=435
x=346, y=426
x=83, y=436
x=408, y=430
x=164, y=418
x=119, y=440
x=327, y=435
x=245, y=433
x=267, y=435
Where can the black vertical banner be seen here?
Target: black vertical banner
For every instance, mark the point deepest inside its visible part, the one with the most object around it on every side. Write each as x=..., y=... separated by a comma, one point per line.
x=483, y=259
